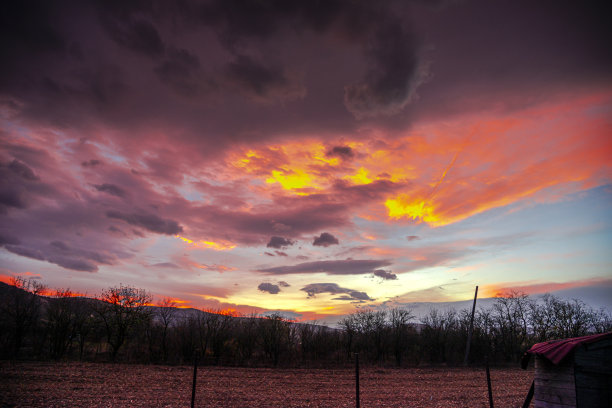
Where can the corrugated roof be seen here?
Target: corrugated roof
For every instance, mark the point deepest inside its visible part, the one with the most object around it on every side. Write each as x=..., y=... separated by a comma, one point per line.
x=555, y=351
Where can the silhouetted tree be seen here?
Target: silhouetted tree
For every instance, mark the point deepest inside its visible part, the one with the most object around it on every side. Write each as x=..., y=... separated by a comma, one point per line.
x=83, y=322
x=166, y=313
x=122, y=310
x=349, y=326
x=437, y=327
x=246, y=337
x=399, y=320
x=60, y=315
x=274, y=336
x=511, y=315
x=218, y=325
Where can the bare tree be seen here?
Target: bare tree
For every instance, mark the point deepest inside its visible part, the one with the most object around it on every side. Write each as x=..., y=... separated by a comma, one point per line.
x=60, y=322
x=399, y=320
x=218, y=326
x=542, y=318
x=83, y=322
x=511, y=315
x=122, y=310
x=167, y=311
x=349, y=324
x=571, y=318
x=246, y=336
x=274, y=335
x=438, y=326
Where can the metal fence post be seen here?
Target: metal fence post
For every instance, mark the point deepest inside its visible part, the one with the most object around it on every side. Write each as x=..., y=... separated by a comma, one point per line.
x=195, y=374
x=489, y=382
x=357, y=380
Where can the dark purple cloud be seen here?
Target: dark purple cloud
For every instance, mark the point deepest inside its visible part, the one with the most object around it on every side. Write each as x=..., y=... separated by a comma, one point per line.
x=59, y=253
x=76, y=264
x=128, y=66
x=181, y=71
x=386, y=275
x=325, y=239
x=293, y=216
x=314, y=289
x=511, y=54
x=22, y=171
x=25, y=251
x=166, y=265
x=111, y=189
x=341, y=267
x=70, y=233
x=19, y=182
x=136, y=34
x=412, y=237
x=152, y=66
x=148, y=221
x=345, y=152
x=365, y=193
x=91, y=163
x=279, y=242
x=260, y=82
x=6, y=239
x=269, y=287
x=11, y=198
x=394, y=73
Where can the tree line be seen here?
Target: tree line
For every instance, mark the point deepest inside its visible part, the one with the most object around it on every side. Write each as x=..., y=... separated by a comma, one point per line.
x=122, y=324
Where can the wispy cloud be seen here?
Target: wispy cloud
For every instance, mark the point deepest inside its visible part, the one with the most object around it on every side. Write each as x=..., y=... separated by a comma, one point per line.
x=339, y=267
x=314, y=289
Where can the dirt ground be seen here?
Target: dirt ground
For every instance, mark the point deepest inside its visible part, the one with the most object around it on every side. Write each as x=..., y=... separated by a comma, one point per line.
x=32, y=384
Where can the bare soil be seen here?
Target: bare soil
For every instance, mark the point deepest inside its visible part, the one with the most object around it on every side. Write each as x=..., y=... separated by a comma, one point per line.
x=34, y=384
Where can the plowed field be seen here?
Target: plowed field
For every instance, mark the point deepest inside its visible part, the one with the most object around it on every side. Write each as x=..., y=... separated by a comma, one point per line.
x=117, y=385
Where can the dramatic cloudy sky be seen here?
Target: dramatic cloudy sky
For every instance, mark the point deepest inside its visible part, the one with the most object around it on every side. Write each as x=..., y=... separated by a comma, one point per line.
x=307, y=156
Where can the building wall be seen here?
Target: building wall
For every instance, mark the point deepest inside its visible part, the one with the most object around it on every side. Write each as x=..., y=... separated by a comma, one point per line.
x=593, y=374
x=555, y=386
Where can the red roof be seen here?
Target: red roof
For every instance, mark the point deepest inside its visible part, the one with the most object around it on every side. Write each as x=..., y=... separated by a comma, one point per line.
x=555, y=351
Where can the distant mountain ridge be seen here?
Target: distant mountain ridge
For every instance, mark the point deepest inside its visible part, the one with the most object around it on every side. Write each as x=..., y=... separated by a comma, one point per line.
x=594, y=296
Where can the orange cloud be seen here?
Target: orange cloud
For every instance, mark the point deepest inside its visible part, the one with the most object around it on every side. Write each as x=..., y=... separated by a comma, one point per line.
x=443, y=173
x=534, y=287
x=219, y=245
x=215, y=267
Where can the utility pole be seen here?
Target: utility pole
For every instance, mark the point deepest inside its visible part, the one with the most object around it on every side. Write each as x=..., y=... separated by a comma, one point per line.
x=471, y=329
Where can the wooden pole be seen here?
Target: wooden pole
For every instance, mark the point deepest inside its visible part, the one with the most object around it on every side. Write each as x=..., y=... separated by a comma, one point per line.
x=357, y=380
x=471, y=329
x=489, y=382
x=195, y=374
x=529, y=395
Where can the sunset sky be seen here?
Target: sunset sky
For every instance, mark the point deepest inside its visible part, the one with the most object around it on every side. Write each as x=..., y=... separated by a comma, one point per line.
x=310, y=157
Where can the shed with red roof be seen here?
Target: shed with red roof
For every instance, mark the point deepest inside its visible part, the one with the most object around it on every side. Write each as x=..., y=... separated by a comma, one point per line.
x=574, y=372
